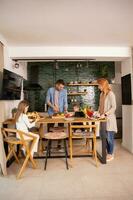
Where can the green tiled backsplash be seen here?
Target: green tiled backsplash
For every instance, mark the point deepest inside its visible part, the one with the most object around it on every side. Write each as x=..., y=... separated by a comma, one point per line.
x=46, y=73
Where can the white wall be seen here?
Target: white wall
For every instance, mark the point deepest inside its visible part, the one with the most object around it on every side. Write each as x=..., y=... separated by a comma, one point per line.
x=127, y=110
x=7, y=106
x=22, y=70
x=9, y=64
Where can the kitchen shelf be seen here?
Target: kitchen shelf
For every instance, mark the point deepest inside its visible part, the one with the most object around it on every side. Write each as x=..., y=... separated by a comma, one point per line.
x=83, y=84
x=76, y=93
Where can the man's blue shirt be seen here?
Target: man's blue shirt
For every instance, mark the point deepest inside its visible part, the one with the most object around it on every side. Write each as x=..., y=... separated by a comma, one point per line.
x=62, y=101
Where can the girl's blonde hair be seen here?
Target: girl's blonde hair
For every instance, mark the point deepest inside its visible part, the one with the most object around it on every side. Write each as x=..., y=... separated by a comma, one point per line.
x=105, y=84
x=21, y=108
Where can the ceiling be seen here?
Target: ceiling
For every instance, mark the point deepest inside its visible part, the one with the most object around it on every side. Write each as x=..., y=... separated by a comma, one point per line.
x=67, y=22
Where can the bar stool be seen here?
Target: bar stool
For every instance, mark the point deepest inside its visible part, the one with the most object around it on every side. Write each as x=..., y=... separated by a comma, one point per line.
x=52, y=136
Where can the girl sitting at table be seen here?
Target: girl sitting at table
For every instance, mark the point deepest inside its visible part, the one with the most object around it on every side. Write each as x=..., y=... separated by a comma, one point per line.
x=23, y=123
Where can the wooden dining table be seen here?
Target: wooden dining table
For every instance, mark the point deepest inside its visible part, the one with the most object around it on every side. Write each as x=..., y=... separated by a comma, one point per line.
x=69, y=122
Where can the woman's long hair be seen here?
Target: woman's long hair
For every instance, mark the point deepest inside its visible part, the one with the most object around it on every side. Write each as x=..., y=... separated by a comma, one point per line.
x=21, y=108
x=105, y=84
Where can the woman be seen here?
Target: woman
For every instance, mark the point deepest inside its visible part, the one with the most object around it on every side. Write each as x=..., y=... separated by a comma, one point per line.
x=23, y=124
x=107, y=107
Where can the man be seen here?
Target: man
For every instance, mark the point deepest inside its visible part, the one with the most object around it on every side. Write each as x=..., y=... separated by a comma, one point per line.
x=57, y=101
x=57, y=98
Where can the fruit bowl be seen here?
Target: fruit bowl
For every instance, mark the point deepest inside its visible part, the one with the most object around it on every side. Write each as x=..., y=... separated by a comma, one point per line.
x=33, y=115
x=58, y=115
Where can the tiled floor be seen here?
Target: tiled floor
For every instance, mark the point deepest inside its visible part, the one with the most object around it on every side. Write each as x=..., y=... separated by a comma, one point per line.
x=84, y=181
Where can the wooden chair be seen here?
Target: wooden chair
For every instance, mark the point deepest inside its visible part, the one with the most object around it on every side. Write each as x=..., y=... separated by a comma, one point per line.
x=88, y=141
x=88, y=137
x=9, y=136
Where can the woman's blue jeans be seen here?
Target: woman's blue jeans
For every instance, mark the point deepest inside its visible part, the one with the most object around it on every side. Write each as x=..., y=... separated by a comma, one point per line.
x=110, y=142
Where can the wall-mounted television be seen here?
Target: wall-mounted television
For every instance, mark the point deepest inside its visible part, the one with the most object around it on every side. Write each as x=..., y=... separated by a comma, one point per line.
x=10, y=85
x=126, y=90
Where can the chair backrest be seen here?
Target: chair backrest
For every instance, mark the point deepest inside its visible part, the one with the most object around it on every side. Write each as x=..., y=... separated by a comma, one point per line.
x=6, y=132
x=20, y=139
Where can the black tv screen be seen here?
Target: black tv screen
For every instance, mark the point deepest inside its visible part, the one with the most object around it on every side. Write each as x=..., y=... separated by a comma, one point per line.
x=11, y=86
x=126, y=90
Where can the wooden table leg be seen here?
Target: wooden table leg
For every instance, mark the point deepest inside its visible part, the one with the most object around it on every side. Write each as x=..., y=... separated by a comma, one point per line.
x=41, y=134
x=102, y=157
x=70, y=143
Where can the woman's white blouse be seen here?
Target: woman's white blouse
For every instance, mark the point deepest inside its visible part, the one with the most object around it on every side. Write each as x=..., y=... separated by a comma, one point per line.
x=23, y=123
